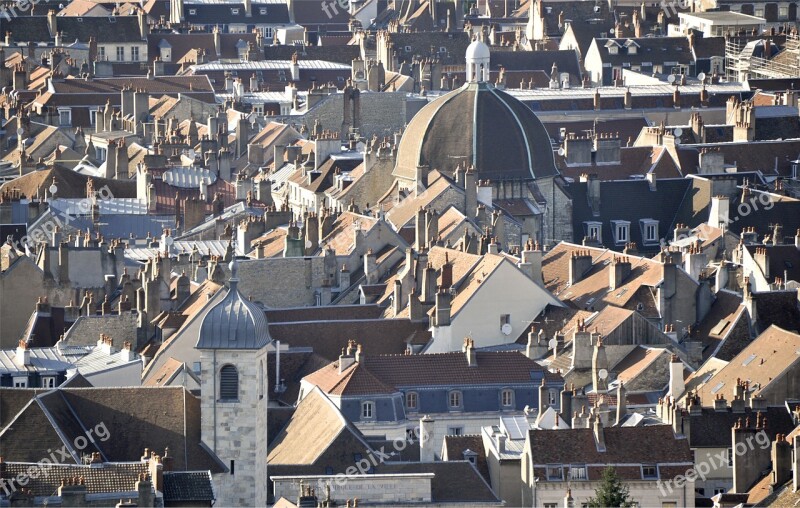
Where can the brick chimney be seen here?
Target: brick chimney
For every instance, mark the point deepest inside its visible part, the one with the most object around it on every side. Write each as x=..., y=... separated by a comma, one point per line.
x=579, y=263
x=619, y=270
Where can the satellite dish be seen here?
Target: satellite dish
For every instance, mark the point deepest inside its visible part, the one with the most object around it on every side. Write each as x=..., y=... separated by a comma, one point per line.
x=308, y=244
x=552, y=344
x=169, y=241
x=678, y=132
x=596, y=8
x=53, y=189
x=20, y=131
x=603, y=374
x=671, y=79
x=702, y=76
x=506, y=329
x=677, y=141
x=561, y=151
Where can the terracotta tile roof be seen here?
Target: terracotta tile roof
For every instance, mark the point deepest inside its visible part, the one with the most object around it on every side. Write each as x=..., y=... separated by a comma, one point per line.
x=594, y=286
x=355, y=380
x=766, y=358
x=165, y=374
x=316, y=425
x=443, y=369
x=624, y=445
x=639, y=360
x=717, y=326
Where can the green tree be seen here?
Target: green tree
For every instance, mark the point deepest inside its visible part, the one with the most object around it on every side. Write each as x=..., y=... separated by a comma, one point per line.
x=611, y=492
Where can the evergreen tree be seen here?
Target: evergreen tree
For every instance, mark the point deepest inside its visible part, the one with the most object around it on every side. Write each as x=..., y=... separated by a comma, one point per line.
x=611, y=492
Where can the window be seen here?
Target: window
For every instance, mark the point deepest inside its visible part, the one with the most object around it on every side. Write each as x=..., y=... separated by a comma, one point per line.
x=577, y=472
x=613, y=50
x=267, y=31
x=367, y=410
x=455, y=431
x=552, y=398
x=759, y=13
x=649, y=471
x=228, y=383
x=507, y=398
x=135, y=53
x=455, y=399
x=620, y=229
x=412, y=400
x=48, y=382
x=235, y=12
x=783, y=12
x=196, y=368
x=730, y=457
x=101, y=53
x=93, y=116
x=551, y=505
x=192, y=12
x=263, y=11
x=719, y=491
x=555, y=472
x=20, y=382
x=594, y=230
x=120, y=53
x=64, y=117
x=649, y=230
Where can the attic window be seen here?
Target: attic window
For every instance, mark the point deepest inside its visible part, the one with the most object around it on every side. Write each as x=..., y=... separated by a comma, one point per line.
x=747, y=361
x=555, y=472
x=235, y=11
x=717, y=388
x=192, y=12
x=263, y=11
x=621, y=230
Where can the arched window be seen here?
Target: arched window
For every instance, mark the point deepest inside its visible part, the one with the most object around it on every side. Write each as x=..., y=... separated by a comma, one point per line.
x=228, y=383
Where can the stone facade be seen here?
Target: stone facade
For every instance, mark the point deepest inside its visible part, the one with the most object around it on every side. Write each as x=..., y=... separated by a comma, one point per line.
x=381, y=113
x=230, y=428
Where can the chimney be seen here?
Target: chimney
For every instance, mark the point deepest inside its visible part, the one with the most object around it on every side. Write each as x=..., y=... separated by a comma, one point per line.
x=599, y=436
x=442, y=308
x=676, y=381
x=426, y=439
x=781, y=460
x=543, y=398
x=599, y=368
x=747, y=467
x=370, y=267
x=622, y=403
x=420, y=228
x=469, y=350
x=52, y=25
x=577, y=150
x=720, y=210
x=470, y=193
x=347, y=358
x=531, y=262
x=761, y=257
x=566, y=404
x=579, y=263
x=720, y=404
x=651, y=180
x=485, y=193
x=695, y=261
x=23, y=355
x=581, y=347
x=537, y=344
x=619, y=270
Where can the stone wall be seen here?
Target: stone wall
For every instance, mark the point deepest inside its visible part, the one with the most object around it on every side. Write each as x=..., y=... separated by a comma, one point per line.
x=381, y=113
x=283, y=282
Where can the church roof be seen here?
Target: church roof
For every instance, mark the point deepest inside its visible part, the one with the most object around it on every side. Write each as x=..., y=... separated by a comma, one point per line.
x=478, y=125
x=235, y=322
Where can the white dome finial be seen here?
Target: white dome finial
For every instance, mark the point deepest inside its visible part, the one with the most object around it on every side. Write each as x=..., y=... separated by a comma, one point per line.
x=478, y=57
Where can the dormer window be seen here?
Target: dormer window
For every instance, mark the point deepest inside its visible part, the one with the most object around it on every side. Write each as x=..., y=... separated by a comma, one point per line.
x=263, y=11
x=455, y=401
x=594, y=230
x=613, y=50
x=412, y=401
x=649, y=471
x=235, y=12
x=368, y=410
x=555, y=473
x=621, y=230
x=632, y=49
x=649, y=231
x=507, y=398
x=192, y=12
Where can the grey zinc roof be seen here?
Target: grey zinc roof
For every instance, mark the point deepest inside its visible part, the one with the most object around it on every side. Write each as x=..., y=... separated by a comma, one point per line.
x=234, y=323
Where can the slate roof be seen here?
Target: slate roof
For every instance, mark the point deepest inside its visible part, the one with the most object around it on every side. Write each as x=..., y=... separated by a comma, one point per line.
x=182, y=43
x=185, y=486
x=455, y=446
x=711, y=429
x=70, y=184
x=481, y=125
x=212, y=13
x=632, y=200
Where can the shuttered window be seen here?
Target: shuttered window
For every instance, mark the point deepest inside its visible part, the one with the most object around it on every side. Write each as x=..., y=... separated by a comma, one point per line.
x=228, y=383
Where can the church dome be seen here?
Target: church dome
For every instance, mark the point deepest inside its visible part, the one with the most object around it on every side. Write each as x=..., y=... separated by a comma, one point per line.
x=235, y=322
x=478, y=125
